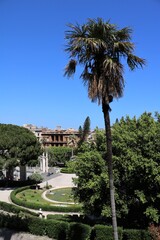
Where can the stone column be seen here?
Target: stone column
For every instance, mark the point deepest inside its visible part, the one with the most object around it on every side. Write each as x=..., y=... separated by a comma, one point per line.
x=43, y=162
x=47, y=162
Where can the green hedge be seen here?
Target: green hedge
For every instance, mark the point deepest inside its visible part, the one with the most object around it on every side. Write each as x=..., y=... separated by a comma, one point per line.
x=37, y=226
x=37, y=206
x=57, y=229
x=8, y=207
x=102, y=232
x=12, y=183
x=13, y=222
x=79, y=231
x=67, y=170
x=134, y=234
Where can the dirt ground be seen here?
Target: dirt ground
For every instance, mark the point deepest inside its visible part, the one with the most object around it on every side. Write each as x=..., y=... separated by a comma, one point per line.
x=6, y=234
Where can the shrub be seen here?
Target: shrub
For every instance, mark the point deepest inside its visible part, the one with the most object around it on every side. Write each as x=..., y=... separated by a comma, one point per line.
x=79, y=231
x=134, y=234
x=13, y=222
x=67, y=170
x=36, y=178
x=57, y=229
x=102, y=232
x=37, y=226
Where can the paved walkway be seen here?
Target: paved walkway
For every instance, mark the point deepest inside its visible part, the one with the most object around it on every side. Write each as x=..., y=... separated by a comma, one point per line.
x=58, y=180
x=4, y=194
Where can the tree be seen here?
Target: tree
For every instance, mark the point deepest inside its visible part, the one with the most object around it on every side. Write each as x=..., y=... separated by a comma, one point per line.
x=86, y=128
x=59, y=155
x=80, y=131
x=100, y=47
x=136, y=155
x=100, y=141
x=91, y=188
x=36, y=178
x=84, y=132
x=18, y=146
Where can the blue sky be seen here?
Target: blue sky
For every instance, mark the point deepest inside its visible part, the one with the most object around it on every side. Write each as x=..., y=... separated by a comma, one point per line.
x=32, y=61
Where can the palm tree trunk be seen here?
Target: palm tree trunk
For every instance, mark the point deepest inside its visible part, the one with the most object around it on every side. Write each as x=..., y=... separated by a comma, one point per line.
x=106, y=109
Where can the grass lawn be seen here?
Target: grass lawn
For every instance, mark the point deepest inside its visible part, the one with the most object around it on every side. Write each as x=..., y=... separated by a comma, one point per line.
x=61, y=195
x=32, y=196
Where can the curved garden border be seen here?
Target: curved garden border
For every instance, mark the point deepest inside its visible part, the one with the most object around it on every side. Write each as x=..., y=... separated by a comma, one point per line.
x=45, y=207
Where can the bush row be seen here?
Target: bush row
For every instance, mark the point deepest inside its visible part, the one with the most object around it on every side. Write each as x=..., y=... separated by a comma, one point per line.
x=15, y=209
x=133, y=234
x=102, y=231
x=45, y=207
x=61, y=230
x=67, y=170
x=54, y=229
x=12, y=183
x=86, y=219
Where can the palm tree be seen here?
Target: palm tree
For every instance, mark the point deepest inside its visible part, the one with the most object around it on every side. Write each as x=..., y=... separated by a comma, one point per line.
x=100, y=48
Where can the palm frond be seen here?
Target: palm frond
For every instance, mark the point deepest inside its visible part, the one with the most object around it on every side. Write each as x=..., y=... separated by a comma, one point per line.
x=94, y=92
x=123, y=47
x=75, y=30
x=113, y=73
x=134, y=61
x=70, y=68
x=123, y=34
